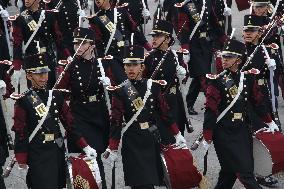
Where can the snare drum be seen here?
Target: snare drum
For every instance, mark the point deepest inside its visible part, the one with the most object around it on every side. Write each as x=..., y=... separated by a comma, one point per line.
x=268, y=152
x=85, y=174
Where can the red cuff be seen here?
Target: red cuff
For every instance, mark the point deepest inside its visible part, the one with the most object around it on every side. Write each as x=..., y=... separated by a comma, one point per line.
x=113, y=144
x=207, y=135
x=185, y=46
x=66, y=53
x=174, y=129
x=21, y=158
x=17, y=64
x=82, y=143
x=267, y=118
x=147, y=46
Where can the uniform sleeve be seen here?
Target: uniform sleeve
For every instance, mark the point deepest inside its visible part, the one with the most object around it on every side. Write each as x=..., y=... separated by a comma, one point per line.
x=261, y=105
x=17, y=44
x=213, y=99
x=117, y=111
x=65, y=81
x=183, y=28
x=67, y=121
x=166, y=115
x=9, y=87
x=21, y=133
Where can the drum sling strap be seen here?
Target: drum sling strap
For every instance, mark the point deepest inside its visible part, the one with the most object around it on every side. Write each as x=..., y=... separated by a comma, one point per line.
x=41, y=109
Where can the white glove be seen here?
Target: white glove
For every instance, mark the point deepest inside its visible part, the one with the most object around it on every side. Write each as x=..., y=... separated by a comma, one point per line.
x=20, y=3
x=205, y=148
x=69, y=59
x=81, y=13
x=186, y=58
x=4, y=14
x=181, y=72
x=272, y=127
x=17, y=75
x=271, y=64
x=2, y=87
x=112, y=154
x=146, y=13
x=180, y=140
x=90, y=153
x=227, y=11
x=90, y=3
x=105, y=81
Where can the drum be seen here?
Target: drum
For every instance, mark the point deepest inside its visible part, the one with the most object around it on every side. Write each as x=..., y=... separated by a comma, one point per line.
x=85, y=173
x=268, y=152
x=180, y=173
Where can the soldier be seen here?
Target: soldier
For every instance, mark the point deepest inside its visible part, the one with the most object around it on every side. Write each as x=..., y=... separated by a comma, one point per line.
x=88, y=103
x=34, y=31
x=228, y=127
x=140, y=149
x=38, y=140
x=113, y=27
x=198, y=27
x=169, y=70
x=266, y=63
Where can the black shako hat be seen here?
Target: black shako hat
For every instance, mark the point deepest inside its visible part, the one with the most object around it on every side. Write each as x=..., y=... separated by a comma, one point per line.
x=234, y=47
x=37, y=63
x=133, y=54
x=85, y=34
x=253, y=21
x=162, y=27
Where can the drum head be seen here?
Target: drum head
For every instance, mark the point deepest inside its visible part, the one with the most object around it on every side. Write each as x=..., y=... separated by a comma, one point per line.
x=262, y=159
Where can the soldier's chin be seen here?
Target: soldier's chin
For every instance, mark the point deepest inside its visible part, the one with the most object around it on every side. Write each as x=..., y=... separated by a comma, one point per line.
x=248, y=39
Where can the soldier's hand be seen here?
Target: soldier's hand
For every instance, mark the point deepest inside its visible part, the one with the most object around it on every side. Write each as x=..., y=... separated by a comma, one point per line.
x=271, y=64
x=23, y=166
x=4, y=13
x=111, y=154
x=227, y=11
x=90, y=153
x=146, y=13
x=2, y=88
x=105, y=81
x=272, y=127
x=180, y=141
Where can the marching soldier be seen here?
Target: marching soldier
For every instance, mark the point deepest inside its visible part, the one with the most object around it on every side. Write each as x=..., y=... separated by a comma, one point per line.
x=266, y=59
x=168, y=69
x=88, y=103
x=38, y=140
x=225, y=121
x=198, y=27
x=35, y=31
x=113, y=27
x=140, y=102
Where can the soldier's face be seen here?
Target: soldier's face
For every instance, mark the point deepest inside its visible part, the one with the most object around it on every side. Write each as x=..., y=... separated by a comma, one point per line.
x=29, y=3
x=85, y=49
x=100, y=3
x=38, y=80
x=260, y=10
x=251, y=36
x=160, y=41
x=134, y=71
x=228, y=61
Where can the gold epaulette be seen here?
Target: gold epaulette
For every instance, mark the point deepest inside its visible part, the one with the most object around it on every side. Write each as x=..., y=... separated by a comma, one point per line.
x=212, y=76
x=13, y=18
x=63, y=62
x=46, y=1
x=183, y=51
x=6, y=62
x=161, y=82
x=253, y=71
x=112, y=88
x=108, y=57
x=273, y=46
x=52, y=10
x=123, y=5
x=62, y=90
x=16, y=96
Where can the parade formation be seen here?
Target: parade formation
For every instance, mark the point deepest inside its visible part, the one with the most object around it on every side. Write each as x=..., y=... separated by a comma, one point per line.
x=100, y=88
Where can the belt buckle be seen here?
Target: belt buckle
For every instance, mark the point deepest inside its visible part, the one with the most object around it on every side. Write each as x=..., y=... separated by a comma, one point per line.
x=173, y=90
x=92, y=98
x=260, y=82
x=237, y=116
x=202, y=35
x=43, y=50
x=144, y=125
x=120, y=44
x=48, y=137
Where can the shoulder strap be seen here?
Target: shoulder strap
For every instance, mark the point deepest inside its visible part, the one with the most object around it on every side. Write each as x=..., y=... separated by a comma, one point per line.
x=113, y=31
x=198, y=23
x=240, y=89
x=43, y=117
x=41, y=18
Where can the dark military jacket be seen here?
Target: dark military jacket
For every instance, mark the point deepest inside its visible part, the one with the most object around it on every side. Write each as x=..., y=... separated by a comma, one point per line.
x=231, y=135
x=49, y=32
x=125, y=26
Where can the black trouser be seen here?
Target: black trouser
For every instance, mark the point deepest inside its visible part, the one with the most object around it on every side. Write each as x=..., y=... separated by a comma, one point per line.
x=2, y=184
x=102, y=172
x=143, y=187
x=227, y=180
